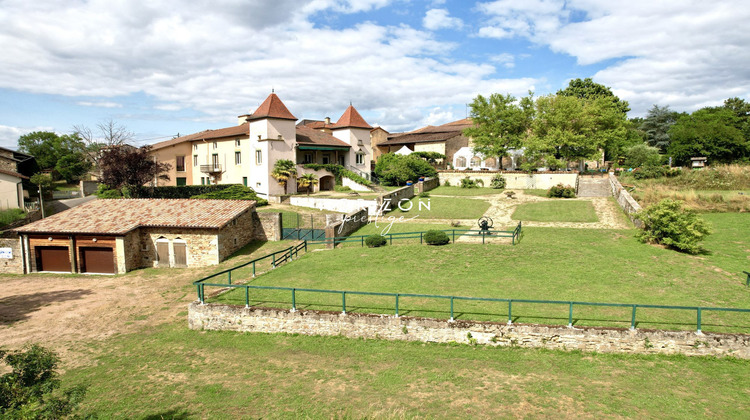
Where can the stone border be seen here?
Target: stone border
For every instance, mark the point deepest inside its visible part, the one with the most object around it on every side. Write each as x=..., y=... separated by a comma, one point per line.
x=625, y=200
x=589, y=339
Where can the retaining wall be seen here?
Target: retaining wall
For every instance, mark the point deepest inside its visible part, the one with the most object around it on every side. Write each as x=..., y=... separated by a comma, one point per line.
x=14, y=264
x=514, y=180
x=332, y=204
x=346, y=225
x=354, y=185
x=625, y=200
x=236, y=318
x=267, y=226
x=427, y=185
x=394, y=197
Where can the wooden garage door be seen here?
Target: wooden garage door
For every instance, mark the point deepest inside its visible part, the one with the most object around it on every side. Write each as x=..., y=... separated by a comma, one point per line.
x=162, y=253
x=52, y=258
x=98, y=260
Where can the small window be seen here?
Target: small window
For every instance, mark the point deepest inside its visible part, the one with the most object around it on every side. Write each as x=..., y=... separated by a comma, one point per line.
x=237, y=158
x=195, y=146
x=181, y=181
x=203, y=181
x=360, y=159
x=216, y=145
x=308, y=158
x=476, y=161
x=215, y=159
x=237, y=143
x=326, y=159
x=180, y=164
x=244, y=181
x=195, y=160
x=461, y=161
x=258, y=157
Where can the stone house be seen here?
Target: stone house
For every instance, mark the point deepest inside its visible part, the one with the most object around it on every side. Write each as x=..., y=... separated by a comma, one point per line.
x=445, y=139
x=246, y=153
x=116, y=236
x=15, y=168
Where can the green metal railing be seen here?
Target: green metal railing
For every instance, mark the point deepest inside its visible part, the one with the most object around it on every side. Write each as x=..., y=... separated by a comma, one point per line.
x=398, y=296
x=514, y=234
x=747, y=282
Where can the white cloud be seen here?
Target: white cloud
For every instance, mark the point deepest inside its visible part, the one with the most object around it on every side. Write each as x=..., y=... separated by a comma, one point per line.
x=505, y=59
x=436, y=19
x=686, y=55
x=222, y=58
x=102, y=104
x=9, y=135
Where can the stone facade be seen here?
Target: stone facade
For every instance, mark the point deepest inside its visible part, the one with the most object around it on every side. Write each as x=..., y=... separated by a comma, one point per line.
x=601, y=340
x=514, y=180
x=236, y=234
x=267, y=226
x=427, y=185
x=394, y=197
x=625, y=200
x=345, y=225
x=15, y=264
x=202, y=245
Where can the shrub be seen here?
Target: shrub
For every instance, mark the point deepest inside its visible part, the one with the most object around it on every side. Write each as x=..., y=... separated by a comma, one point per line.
x=468, y=183
x=341, y=188
x=480, y=182
x=424, y=194
x=109, y=193
x=234, y=192
x=498, y=182
x=649, y=172
x=642, y=155
x=561, y=191
x=180, y=191
x=667, y=223
x=447, y=183
x=393, y=169
x=375, y=241
x=436, y=237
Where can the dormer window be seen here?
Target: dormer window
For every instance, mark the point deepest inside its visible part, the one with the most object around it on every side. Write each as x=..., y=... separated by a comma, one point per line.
x=216, y=145
x=237, y=143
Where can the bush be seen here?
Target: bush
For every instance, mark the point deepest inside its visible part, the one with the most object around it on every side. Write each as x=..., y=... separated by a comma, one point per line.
x=667, y=223
x=498, y=182
x=649, y=172
x=642, y=155
x=341, y=188
x=436, y=237
x=393, y=169
x=424, y=194
x=468, y=183
x=375, y=241
x=109, y=194
x=479, y=182
x=180, y=191
x=234, y=192
x=561, y=191
x=447, y=183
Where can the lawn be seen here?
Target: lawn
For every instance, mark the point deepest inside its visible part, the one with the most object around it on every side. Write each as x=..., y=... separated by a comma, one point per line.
x=464, y=192
x=172, y=372
x=11, y=215
x=442, y=208
x=556, y=211
x=549, y=264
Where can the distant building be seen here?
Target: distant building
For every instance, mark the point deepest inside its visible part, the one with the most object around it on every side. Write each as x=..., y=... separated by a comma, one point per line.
x=15, y=168
x=246, y=153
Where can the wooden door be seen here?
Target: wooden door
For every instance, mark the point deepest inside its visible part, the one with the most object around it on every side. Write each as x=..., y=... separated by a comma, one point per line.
x=180, y=254
x=98, y=260
x=162, y=253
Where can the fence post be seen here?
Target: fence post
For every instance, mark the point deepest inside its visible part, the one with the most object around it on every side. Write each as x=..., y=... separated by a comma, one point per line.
x=198, y=289
x=203, y=294
x=482, y=237
x=247, y=297
x=396, y=305
x=294, y=300
x=451, y=320
x=699, y=320
x=363, y=241
x=273, y=264
x=343, y=303
x=570, y=316
x=229, y=276
x=305, y=245
x=253, y=269
x=420, y=239
x=510, y=311
x=390, y=235
x=632, y=318
x=454, y=236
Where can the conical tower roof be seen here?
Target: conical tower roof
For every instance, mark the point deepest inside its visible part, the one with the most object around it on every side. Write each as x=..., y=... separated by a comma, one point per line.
x=272, y=107
x=351, y=118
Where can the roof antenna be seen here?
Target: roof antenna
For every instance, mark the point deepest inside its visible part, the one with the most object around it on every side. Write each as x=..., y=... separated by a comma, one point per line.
x=272, y=90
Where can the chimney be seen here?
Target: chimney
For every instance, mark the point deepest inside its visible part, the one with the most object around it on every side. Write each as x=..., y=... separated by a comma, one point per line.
x=328, y=120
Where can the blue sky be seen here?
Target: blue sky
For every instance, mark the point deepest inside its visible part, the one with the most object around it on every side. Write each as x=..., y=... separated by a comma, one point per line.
x=167, y=67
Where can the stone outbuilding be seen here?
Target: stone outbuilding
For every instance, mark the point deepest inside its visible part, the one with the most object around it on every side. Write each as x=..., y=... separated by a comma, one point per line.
x=116, y=236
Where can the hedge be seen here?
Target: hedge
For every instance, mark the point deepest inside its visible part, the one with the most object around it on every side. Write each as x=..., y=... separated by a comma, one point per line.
x=180, y=191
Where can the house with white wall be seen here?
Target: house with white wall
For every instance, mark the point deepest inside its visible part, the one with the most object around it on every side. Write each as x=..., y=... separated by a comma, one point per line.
x=246, y=153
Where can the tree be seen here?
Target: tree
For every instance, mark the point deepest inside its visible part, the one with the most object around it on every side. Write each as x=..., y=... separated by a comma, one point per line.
x=107, y=134
x=500, y=124
x=393, y=169
x=308, y=181
x=283, y=171
x=587, y=89
x=127, y=166
x=28, y=390
x=73, y=167
x=43, y=182
x=642, y=155
x=49, y=147
x=741, y=110
x=656, y=126
x=708, y=132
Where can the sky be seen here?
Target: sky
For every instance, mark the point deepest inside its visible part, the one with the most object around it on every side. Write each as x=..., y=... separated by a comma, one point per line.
x=165, y=67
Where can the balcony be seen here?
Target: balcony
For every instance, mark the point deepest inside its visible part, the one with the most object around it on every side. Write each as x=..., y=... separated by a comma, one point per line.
x=211, y=169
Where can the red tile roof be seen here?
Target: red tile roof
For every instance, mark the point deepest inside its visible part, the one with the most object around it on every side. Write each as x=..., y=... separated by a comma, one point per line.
x=351, y=118
x=272, y=107
x=15, y=174
x=307, y=136
x=118, y=217
x=237, y=130
x=430, y=133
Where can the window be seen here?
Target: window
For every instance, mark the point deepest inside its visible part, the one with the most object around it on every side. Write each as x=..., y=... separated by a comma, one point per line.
x=237, y=143
x=244, y=181
x=258, y=157
x=308, y=158
x=326, y=159
x=476, y=161
x=195, y=160
x=238, y=158
x=203, y=181
x=360, y=159
x=195, y=146
x=215, y=160
x=461, y=161
x=341, y=160
x=216, y=145
x=180, y=164
x=181, y=181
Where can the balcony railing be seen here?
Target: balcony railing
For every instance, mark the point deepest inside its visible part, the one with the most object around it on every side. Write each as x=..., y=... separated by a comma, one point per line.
x=211, y=169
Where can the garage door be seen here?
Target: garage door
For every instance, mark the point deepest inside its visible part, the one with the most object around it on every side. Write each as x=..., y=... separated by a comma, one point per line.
x=98, y=260
x=52, y=258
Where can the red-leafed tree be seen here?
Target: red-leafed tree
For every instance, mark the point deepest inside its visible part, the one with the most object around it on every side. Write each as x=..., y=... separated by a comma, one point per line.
x=128, y=166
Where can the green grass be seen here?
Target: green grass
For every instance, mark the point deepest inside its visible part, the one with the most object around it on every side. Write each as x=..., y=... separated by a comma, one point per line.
x=556, y=211
x=11, y=215
x=464, y=192
x=537, y=193
x=386, y=225
x=173, y=372
x=549, y=264
x=442, y=208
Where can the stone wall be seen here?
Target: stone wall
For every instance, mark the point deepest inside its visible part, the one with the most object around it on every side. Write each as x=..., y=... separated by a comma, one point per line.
x=514, y=180
x=394, y=197
x=601, y=340
x=12, y=265
x=427, y=185
x=332, y=204
x=346, y=225
x=202, y=245
x=354, y=185
x=236, y=234
x=624, y=199
x=88, y=187
x=267, y=226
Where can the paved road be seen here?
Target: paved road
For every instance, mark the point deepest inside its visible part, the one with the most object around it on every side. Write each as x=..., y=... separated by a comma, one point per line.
x=62, y=205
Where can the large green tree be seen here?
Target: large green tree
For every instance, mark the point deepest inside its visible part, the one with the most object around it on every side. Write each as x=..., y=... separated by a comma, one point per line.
x=711, y=133
x=588, y=89
x=48, y=147
x=393, y=169
x=656, y=125
x=501, y=123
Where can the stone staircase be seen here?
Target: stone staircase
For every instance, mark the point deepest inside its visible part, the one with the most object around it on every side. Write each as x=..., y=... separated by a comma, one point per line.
x=594, y=187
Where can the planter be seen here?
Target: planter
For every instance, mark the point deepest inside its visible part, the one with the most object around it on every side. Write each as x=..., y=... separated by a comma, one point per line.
x=409, y=183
